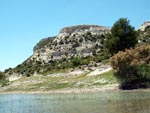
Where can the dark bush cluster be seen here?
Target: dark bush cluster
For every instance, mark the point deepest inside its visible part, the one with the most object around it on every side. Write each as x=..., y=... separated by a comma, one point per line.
x=132, y=67
x=3, y=81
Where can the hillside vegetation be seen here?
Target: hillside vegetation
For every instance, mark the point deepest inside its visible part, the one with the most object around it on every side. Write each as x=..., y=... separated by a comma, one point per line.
x=76, y=46
x=88, y=48
x=57, y=83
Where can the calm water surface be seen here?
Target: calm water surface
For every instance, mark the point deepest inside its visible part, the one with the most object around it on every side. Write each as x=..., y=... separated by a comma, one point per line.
x=104, y=102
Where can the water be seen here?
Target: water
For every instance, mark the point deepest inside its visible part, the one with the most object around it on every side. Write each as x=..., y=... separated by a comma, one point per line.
x=104, y=102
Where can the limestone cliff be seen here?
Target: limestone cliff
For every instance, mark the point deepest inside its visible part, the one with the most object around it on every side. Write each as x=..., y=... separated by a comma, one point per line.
x=75, y=41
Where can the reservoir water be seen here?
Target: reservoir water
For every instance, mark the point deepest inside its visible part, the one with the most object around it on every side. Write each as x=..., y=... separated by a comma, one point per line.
x=102, y=102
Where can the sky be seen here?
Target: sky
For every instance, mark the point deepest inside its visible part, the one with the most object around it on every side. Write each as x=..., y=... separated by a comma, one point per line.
x=25, y=22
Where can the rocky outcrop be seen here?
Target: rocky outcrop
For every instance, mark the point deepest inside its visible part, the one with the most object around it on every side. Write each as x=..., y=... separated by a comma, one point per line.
x=42, y=43
x=144, y=32
x=83, y=28
x=144, y=26
x=75, y=41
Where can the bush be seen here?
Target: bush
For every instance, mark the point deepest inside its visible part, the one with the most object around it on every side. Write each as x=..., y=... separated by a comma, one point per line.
x=132, y=67
x=76, y=61
x=2, y=75
x=3, y=81
x=122, y=36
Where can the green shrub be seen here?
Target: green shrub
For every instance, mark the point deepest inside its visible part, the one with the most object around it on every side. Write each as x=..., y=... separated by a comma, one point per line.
x=76, y=61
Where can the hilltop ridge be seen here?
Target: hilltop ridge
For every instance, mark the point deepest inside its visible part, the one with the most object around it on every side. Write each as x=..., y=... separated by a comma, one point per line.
x=78, y=28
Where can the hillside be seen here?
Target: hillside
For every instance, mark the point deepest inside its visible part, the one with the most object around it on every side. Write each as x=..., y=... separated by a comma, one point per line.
x=75, y=58
x=74, y=46
x=75, y=41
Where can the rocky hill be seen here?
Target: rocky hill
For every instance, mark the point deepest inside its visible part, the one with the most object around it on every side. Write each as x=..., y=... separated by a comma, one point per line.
x=75, y=41
x=73, y=46
x=144, y=32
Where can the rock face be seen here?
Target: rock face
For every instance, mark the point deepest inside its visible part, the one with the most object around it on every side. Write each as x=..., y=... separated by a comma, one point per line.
x=144, y=26
x=42, y=43
x=75, y=41
x=144, y=32
x=83, y=28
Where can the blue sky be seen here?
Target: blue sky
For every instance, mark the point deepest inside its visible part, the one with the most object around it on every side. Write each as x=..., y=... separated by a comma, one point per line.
x=24, y=22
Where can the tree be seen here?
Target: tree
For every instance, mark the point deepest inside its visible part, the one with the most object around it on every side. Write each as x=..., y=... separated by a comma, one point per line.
x=122, y=36
x=132, y=67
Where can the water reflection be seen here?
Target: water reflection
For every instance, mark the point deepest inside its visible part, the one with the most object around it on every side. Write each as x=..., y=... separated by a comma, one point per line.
x=104, y=102
x=137, y=102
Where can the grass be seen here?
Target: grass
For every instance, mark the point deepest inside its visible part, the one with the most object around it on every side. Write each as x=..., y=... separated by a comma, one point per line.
x=46, y=83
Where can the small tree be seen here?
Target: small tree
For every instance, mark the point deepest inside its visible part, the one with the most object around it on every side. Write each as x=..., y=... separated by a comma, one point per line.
x=122, y=36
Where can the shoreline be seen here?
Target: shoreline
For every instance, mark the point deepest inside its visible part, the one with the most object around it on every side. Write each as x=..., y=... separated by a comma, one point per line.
x=113, y=87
